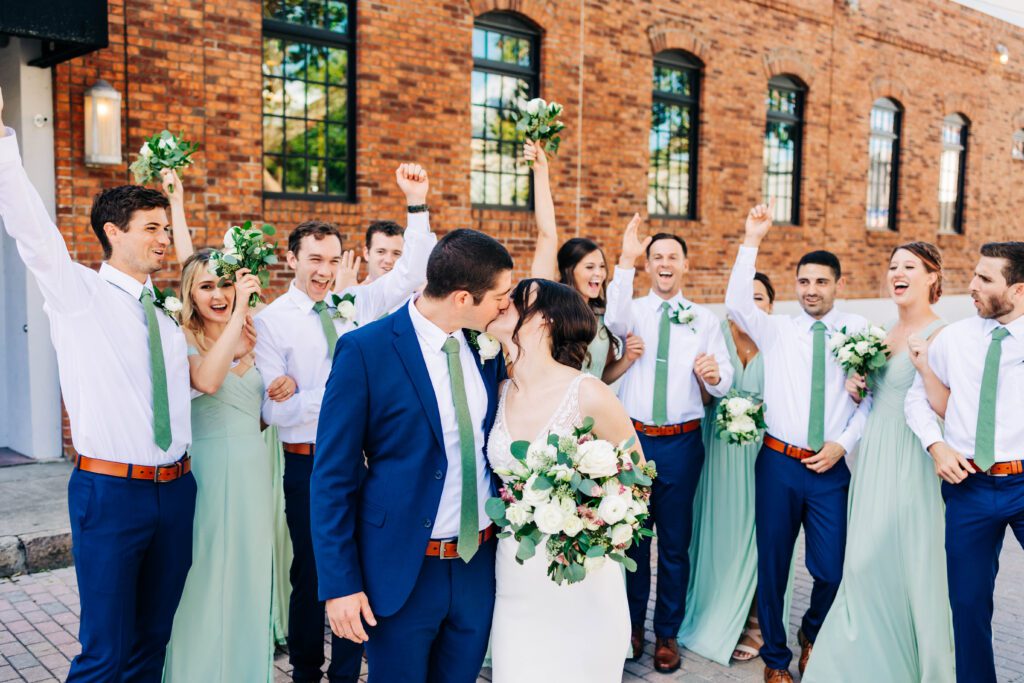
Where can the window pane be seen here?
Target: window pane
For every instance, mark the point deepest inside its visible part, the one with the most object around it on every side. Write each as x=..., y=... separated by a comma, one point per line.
x=273, y=135
x=332, y=15
x=883, y=148
x=672, y=172
x=781, y=155
x=950, y=174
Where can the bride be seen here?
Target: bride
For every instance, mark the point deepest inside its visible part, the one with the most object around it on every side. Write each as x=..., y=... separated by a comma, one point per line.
x=542, y=631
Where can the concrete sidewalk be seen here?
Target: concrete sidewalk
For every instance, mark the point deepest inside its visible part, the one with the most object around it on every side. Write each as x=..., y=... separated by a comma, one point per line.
x=35, y=533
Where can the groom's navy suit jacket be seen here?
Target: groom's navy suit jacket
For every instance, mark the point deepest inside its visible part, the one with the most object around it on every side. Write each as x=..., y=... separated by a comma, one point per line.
x=371, y=526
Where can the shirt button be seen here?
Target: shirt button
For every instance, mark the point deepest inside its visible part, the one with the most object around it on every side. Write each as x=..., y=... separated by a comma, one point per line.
x=426, y=523
x=438, y=474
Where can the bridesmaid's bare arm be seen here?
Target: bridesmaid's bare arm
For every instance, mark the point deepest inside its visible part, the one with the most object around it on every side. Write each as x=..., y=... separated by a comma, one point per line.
x=611, y=422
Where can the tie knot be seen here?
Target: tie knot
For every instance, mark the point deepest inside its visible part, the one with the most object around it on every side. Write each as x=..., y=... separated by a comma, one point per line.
x=818, y=326
x=147, y=295
x=1000, y=333
x=665, y=306
x=451, y=346
x=319, y=306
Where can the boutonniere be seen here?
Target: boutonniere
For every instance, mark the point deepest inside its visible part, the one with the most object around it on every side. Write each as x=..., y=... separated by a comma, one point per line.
x=682, y=315
x=486, y=345
x=165, y=300
x=344, y=308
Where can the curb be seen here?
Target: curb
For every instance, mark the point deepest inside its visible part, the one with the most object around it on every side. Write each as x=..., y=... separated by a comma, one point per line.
x=35, y=552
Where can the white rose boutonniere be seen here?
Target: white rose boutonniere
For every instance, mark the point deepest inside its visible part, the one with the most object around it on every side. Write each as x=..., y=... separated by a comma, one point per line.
x=344, y=308
x=682, y=315
x=486, y=345
x=167, y=302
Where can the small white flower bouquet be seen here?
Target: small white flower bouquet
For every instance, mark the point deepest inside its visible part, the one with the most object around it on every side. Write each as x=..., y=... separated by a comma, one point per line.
x=345, y=308
x=538, y=121
x=245, y=247
x=739, y=418
x=585, y=499
x=486, y=345
x=862, y=352
x=161, y=151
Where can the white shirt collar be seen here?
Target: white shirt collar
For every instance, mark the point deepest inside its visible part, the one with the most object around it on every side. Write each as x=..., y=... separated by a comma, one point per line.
x=430, y=333
x=124, y=281
x=656, y=301
x=830, y=320
x=301, y=299
x=1016, y=328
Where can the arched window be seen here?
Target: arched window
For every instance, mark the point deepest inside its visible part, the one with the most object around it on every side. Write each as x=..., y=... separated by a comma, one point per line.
x=505, y=69
x=783, y=143
x=672, y=174
x=884, y=164
x=308, y=99
x=952, y=169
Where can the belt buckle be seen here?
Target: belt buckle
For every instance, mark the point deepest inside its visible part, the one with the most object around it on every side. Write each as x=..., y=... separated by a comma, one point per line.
x=156, y=472
x=441, y=545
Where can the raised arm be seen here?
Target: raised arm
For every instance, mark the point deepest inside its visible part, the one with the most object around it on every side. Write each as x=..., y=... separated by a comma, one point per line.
x=40, y=243
x=208, y=371
x=304, y=406
x=545, y=252
x=180, y=233
x=618, y=314
x=739, y=297
x=611, y=422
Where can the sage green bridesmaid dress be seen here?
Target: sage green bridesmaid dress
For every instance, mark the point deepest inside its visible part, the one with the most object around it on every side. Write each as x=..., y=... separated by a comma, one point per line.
x=723, y=551
x=597, y=351
x=223, y=629
x=891, y=619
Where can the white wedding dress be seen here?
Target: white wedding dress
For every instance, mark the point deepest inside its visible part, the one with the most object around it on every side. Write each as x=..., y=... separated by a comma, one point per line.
x=543, y=632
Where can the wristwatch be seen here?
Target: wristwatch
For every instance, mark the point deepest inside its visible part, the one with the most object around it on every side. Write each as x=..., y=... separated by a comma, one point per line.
x=418, y=208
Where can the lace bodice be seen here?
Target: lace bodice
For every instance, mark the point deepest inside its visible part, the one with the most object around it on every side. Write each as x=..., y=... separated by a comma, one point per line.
x=565, y=418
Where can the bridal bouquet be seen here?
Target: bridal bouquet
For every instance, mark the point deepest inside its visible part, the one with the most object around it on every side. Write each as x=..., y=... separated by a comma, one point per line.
x=740, y=417
x=245, y=247
x=862, y=352
x=538, y=120
x=161, y=151
x=584, y=499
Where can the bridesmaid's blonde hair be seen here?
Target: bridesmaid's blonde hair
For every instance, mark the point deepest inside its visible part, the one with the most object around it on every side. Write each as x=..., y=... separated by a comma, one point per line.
x=191, y=321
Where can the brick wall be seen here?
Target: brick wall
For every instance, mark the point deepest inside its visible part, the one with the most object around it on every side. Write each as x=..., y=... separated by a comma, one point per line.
x=194, y=65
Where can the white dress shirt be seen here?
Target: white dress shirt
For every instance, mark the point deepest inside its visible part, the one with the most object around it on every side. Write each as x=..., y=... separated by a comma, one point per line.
x=98, y=327
x=957, y=356
x=290, y=338
x=642, y=317
x=785, y=342
x=432, y=339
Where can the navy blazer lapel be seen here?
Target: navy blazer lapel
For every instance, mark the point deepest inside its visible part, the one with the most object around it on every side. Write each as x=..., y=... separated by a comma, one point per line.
x=408, y=346
x=490, y=378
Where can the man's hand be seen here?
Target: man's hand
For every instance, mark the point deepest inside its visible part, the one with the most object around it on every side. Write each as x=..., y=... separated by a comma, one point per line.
x=828, y=456
x=348, y=271
x=759, y=222
x=950, y=465
x=170, y=183
x=632, y=244
x=346, y=616
x=412, y=180
x=705, y=366
x=282, y=389
x=634, y=347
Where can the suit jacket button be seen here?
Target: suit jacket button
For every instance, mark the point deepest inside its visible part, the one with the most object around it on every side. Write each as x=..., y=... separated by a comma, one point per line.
x=438, y=474
x=426, y=523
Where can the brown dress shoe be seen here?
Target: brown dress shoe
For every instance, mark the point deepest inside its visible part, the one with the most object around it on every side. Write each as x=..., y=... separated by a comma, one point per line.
x=637, y=640
x=666, y=655
x=805, y=650
x=777, y=676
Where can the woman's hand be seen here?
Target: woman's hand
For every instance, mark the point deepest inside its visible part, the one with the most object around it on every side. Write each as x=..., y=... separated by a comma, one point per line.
x=246, y=284
x=170, y=183
x=856, y=387
x=534, y=151
x=917, y=349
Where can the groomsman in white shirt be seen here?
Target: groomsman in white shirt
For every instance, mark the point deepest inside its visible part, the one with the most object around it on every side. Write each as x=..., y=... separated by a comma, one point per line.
x=383, y=248
x=812, y=423
x=662, y=393
x=980, y=457
x=125, y=383
x=296, y=336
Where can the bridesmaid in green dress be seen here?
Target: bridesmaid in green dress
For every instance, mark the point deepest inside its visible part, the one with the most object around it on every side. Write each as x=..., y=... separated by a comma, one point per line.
x=891, y=619
x=721, y=619
x=223, y=629
x=579, y=263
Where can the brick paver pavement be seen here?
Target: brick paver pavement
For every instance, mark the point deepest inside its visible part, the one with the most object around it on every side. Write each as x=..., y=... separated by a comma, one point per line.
x=39, y=624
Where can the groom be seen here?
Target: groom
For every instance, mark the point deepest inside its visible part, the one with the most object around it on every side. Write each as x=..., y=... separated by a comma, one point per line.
x=404, y=552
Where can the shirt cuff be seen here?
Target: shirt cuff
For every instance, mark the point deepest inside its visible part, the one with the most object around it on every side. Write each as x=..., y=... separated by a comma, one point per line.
x=9, y=147
x=418, y=222
x=623, y=272
x=931, y=436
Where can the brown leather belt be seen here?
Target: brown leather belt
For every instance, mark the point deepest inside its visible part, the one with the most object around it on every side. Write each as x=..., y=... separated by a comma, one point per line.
x=1001, y=469
x=666, y=430
x=299, y=448
x=448, y=548
x=787, y=449
x=160, y=474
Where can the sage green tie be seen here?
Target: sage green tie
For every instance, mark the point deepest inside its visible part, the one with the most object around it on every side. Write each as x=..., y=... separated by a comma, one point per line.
x=660, y=413
x=469, y=526
x=325, y=321
x=985, y=441
x=161, y=411
x=816, y=422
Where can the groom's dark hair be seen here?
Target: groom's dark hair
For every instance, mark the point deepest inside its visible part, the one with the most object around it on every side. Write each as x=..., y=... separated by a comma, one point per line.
x=465, y=260
x=117, y=205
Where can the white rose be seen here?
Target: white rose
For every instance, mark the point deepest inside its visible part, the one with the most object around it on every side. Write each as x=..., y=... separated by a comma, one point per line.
x=561, y=473
x=534, y=106
x=166, y=143
x=592, y=564
x=844, y=355
x=211, y=266
x=862, y=347
x=518, y=514
x=612, y=509
x=172, y=304
x=739, y=406
x=637, y=507
x=532, y=495
x=876, y=331
x=598, y=459
x=568, y=505
x=549, y=517
x=489, y=346
x=346, y=310
x=540, y=455
x=145, y=151
x=742, y=425
x=836, y=341
x=620, y=533
x=572, y=525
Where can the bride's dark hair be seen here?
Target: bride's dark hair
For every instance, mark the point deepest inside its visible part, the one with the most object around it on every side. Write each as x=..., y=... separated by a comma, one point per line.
x=571, y=322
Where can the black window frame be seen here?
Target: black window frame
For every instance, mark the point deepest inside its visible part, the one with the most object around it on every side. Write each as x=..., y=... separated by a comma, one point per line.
x=787, y=83
x=957, y=226
x=1017, y=145
x=681, y=60
x=512, y=24
x=894, y=137
x=314, y=36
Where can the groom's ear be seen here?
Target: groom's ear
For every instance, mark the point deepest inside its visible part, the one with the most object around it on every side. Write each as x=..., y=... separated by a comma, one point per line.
x=291, y=260
x=462, y=298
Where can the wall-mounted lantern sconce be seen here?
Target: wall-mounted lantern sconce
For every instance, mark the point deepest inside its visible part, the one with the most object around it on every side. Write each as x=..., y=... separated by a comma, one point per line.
x=102, y=125
x=1002, y=54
